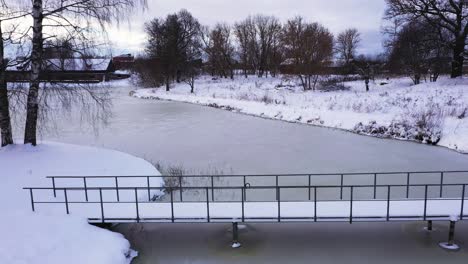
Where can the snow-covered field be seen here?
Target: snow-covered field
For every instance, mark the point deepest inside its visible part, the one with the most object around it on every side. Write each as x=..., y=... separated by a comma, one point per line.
x=432, y=113
x=55, y=238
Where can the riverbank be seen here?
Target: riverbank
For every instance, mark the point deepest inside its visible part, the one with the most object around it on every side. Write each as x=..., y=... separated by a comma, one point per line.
x=50, y=237
x=431, y=113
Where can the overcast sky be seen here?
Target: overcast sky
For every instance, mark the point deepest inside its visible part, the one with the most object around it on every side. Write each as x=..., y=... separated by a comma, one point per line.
x=337, y=15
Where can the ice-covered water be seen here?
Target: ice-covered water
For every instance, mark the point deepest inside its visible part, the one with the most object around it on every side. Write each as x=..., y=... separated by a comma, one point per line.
x=201, y=137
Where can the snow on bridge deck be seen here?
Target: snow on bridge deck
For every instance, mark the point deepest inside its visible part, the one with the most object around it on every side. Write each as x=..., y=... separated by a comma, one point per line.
x=375, y=210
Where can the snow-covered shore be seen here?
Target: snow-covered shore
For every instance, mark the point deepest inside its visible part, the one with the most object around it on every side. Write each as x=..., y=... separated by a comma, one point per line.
x=45, y=237
x=432, y=113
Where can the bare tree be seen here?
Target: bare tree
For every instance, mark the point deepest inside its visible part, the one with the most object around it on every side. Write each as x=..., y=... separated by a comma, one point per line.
x=258, y=41
x=347, y=43
x=418, y=50
x=175, y=42
x=246, y=35
x=308, y=49
x=451, y=15
x=193, y=65
x=269, y=29
x=217, y=44
x=5, y=121
x=6, y=15
x=72, y=17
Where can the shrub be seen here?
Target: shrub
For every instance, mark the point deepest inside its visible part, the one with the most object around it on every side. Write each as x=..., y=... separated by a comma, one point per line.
x=424, y=126
x=335, y=83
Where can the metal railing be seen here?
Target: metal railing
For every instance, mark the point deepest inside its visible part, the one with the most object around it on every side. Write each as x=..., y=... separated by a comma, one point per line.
x=242, y=216
x=247, y=184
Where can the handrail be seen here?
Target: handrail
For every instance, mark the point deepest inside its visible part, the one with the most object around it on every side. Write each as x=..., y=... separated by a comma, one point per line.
x=239, y=187
x=253, y=175
x=278, y=218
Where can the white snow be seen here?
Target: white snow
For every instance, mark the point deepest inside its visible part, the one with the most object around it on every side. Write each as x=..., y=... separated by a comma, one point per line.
x=54, y=237
x=442, y=209
x=429, y=112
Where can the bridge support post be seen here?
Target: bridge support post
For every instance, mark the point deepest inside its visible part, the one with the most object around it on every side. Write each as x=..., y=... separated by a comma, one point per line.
x=450, y=245
x=429, y=227
x=235, y=235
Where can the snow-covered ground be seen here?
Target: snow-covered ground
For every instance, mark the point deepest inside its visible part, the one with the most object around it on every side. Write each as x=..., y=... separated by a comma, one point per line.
x=45, y=237
x=433, y=113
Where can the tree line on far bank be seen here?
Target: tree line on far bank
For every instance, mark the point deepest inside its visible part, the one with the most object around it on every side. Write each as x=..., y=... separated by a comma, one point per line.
x=423, y=38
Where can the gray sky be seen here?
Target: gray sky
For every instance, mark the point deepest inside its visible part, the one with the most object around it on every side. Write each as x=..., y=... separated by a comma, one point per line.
x=337, y=15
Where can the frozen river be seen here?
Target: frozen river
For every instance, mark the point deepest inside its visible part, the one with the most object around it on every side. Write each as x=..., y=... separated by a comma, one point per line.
x=201, y=138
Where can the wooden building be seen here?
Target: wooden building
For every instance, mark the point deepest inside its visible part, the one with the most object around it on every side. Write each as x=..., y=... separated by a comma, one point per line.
x=67, y=71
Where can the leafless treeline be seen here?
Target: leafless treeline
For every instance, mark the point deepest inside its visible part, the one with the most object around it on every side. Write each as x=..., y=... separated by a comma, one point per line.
x=424, y=38
x=258, y=45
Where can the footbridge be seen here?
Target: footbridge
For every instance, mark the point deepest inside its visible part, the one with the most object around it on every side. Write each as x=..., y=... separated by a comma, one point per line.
x=331, y=197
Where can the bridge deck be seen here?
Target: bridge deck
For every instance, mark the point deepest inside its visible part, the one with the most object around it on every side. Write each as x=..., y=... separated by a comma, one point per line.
x=378, y=210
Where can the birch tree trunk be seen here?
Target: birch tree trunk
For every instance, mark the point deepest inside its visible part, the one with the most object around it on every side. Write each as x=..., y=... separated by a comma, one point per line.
x=5, y=121
x=36, y=66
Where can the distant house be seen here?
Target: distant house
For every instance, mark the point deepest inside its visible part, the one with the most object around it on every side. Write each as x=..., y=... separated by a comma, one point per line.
x=74, y=70
x=123, y=62
x=289, y=67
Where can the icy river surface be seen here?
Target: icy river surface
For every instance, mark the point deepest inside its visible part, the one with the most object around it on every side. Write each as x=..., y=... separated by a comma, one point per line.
x=201, y=138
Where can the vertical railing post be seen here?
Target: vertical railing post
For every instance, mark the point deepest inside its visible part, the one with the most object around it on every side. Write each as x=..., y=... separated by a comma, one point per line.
x=53, y=186
x=462, y=211
x=102, y=205
x=425, y=202
x=243, y=208
x=278, y=191
x=207, y=205
x=212, y=189
x=136, y=206
x=315, y=203
x=117, y=188
x=375, y=186
x=245, y=188
x=441, y=184
x=66, y=200
x=149, y=188
x=180, y=188
x=309, y=187
x=388, y=202
x=172, y=204
x=32, y=199
x=341, y=188
x=85, y=188
x=277, y=194
x=407, y=185
x=351, y=206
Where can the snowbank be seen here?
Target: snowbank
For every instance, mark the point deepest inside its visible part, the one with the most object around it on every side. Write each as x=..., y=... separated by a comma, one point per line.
x=432, y=113
x=29, y=237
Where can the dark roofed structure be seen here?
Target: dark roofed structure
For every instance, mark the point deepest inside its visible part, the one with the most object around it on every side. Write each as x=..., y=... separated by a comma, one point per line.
x=74, y=70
